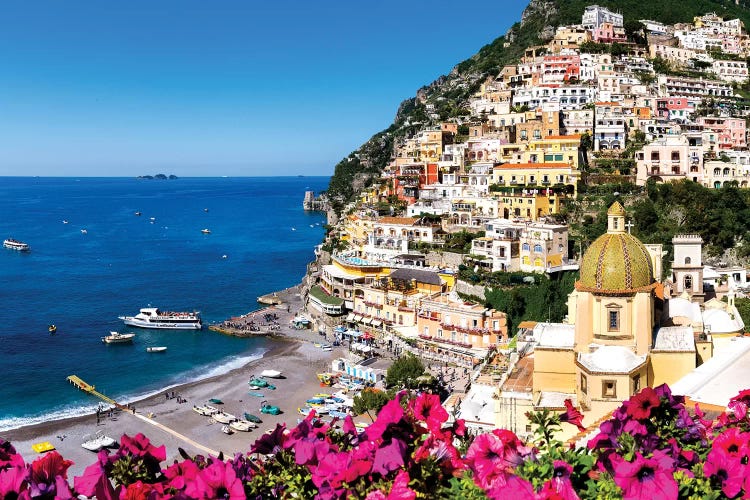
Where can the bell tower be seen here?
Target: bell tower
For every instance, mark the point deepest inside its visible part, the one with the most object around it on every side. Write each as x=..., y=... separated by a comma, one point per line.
x=687, y=266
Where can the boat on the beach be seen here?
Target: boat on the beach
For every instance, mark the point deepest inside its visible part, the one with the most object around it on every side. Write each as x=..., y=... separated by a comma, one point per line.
x=19, y=246
x=216, y=401
x=270, y=374
x=223, y=417
x=257, y=394
x=152, y=317
x=304, y=410
x=118, y=338
x=97, y=441
x=42, y=447
x=156, y=349
x=252, y=418
x=270, y=409
x=204, y=410
x=242, y=425
x=226, y=429
x=258, y=383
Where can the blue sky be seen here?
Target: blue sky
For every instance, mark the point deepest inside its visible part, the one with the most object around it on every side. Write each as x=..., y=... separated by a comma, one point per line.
x=203, y=88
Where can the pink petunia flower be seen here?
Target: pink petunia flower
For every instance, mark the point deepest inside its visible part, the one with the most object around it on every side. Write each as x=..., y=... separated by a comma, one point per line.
x=180, y=474
x=559, y=487
x=8, y=456
x=390, y=414
x=493, y=458
x=572, y=415
x=427, y=408
x=13, y=483
x=218, y=480
x=733, y=442
x=140, y=446
x=514, y=487
x=646, y=478
x=739, y=404
x=726, y=469
x=94, y=482
x=640, y=405
x=44, y=473
x=389, y=457
x=142, y=491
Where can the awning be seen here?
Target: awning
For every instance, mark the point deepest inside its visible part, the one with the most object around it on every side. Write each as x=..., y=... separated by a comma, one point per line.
x=350, y=317
x=367, y=321
x=357, y=317
x=349, y=304
x=376, y=322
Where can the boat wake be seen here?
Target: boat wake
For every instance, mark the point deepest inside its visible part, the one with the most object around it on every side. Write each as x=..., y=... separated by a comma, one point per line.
x=194, y=375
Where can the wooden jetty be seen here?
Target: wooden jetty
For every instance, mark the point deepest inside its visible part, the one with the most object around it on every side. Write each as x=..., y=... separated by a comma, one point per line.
x=78, y=383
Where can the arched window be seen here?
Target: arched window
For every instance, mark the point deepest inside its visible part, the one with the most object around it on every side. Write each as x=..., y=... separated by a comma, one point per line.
x=525, y=247
x=688, y=282
x=687, y=260
x=538, y=248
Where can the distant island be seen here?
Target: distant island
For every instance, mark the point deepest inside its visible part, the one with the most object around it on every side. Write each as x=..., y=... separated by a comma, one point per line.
x=157, y=176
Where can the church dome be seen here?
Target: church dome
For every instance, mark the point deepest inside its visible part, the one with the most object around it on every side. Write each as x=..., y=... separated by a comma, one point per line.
x=616, y=262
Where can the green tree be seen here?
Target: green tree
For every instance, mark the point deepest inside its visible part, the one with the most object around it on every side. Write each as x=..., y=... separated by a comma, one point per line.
x=404, y=372
x=370, y=399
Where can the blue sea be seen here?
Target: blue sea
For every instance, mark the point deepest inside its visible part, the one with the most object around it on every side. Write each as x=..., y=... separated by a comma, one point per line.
x=83, y=282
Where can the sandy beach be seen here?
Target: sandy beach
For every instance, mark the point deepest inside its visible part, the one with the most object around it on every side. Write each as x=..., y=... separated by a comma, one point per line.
x=166, y=421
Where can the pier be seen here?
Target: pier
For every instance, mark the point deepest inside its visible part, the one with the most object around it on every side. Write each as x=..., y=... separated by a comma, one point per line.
x=78, y=383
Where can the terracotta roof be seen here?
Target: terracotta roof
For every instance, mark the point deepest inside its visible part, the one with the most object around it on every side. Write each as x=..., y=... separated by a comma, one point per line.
x=408, y=221
x=527, y=324
x=513, y=166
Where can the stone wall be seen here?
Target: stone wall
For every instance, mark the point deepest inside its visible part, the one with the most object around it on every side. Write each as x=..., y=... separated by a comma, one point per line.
x=445, y=259
x=469, y=289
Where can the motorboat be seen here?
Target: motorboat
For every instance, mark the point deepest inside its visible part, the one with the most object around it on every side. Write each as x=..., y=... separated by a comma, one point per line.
x=270, y=409
x=156, y=349
x=242, y=425
x=223, y=417
x=226, y=429
x=270, y=374
x=205, y=410
x=84, y=231
x=118, y=338
x=19, y=246
x=138, y=213
x=152, y=317
x=206, y=231
x=97, y=441
x=52, y=329
x=258, y=383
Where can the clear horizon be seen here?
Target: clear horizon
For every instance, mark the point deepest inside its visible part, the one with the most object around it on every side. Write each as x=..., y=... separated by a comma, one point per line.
x=232, y=89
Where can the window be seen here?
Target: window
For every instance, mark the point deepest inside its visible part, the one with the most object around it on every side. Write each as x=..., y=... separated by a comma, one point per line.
x=636, y=383
x=584, y=384
x=614, y=321
x=524, y=135
x=654, y=156
x=440, y=333
x=537, y=134
x=688, y=282
x=525, y=248
x=609, y=389
x=426, y=330
x=538, y=248
x=687, y=260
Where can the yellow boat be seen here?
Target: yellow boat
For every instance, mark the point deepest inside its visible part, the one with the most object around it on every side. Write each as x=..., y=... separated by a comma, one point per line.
x=42, y=447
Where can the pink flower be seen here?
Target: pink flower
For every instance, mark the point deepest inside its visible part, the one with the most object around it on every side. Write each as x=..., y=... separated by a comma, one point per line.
x=389, y=457
x=45, y=471
x=13, y=483
x=179, y=475
x=739, y=404
x=218, y=480
x=726, y=469
x=399, y=491
x=733, y=442
x=572, y=415
x=141, y=491
x=349, y=427
x=442, y=450
x=338, y=467
x=639, y=406
x=8, y=456
x=492, y=457
x=390, y=414
x=427, y=408
x=513, y=488
x=646, y=478
x=140, y=446
x=559, y=487
x=94, y=482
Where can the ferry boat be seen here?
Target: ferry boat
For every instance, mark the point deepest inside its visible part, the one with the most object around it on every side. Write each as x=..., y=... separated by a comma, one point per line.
x=12, y=244
x=151, y=317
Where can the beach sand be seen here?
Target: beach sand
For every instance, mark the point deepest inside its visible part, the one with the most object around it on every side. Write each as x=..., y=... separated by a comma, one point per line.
x=294, y=355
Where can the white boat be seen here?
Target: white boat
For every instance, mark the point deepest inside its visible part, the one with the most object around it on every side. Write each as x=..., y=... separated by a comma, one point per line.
x=12, y=244
x=84, y=231
x=156, y=349
x=204, y=410
x=151, y=317
x=270, y=374
x=242, y=425
x=118, y=338
x=226, y=429
x=97, y=441
x=223, y=417
x=206, y=231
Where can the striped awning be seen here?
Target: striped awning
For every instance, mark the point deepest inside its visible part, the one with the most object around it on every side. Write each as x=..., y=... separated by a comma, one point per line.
x=367, y=321
x=350, y=317
x=357, y=318
x=376, y=322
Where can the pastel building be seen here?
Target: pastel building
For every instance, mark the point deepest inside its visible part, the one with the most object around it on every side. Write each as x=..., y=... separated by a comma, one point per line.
x=594, y=16
x=732, y=132
x=671, y=158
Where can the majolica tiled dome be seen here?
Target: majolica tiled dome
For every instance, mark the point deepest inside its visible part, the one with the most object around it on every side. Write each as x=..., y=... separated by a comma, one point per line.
x=616, y=261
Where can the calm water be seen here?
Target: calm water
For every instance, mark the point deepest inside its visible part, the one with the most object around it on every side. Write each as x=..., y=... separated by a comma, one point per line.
x=82, y=282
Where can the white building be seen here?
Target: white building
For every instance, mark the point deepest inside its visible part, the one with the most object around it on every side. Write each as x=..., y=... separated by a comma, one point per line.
x=594, y=16
x=559, y=97
x=730, y=71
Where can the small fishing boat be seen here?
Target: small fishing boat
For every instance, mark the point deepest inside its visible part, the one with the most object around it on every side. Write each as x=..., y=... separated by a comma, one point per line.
x=97, y=441
x=216, y=401
x=223, y=417
x=84, y=231
x=52, y=329
x=206, y=231
x=204, y=410
x=252, y=418
x=118, y=338
x=156, y=349
x=270, y=374
x=242, y=425
x=304, y=411
x=138, y=213
x=258, y=383
x=65, y=222
x=256, y=394
x=226, y=429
